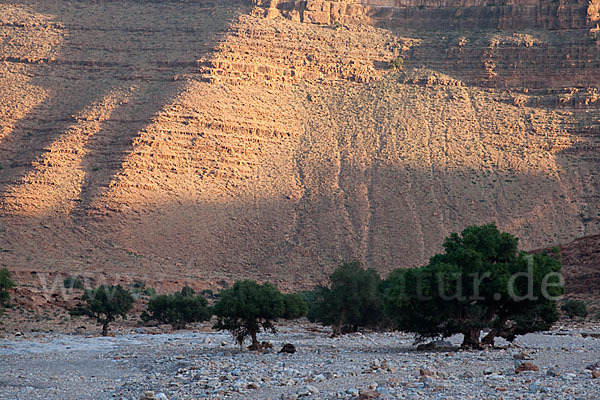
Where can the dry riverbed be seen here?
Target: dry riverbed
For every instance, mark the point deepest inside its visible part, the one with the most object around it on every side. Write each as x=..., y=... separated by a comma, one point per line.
x=204, y=364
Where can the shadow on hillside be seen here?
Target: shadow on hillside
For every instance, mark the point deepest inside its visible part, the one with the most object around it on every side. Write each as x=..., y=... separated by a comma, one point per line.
x=144, y=48
x=298, y=240
x=294, y=243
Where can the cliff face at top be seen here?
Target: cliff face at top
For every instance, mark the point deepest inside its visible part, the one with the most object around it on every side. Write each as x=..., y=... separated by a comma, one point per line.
x=208, y=140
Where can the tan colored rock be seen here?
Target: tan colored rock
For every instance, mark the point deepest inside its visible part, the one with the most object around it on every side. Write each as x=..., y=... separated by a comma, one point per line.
x=527, y=366
x=283, y=147
x=317, y=17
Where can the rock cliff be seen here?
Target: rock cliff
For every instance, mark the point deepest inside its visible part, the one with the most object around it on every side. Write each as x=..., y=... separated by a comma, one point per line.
x=209, y=140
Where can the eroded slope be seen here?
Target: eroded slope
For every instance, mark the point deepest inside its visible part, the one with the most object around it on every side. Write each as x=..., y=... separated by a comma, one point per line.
x=208, y=141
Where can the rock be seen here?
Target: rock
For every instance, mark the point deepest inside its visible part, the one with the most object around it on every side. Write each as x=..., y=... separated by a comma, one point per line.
x=427, y=372
x=161, y=396
x=535, y=387
x=207, y=340
x=427, y=381
x=252, y=386
x=553, y=372
x=488, y=371
x=501, y=389
x=353, y=392
x=467, y=374
x=312, y=390
x=365, y=394
x=595, y=374
x=148, y=395
x=593, y=366
x=319, y=378
x=522, y=356
x=383, y=390
x=527, y=366
x=302, y=392
x=266, y=345
x=288, y=348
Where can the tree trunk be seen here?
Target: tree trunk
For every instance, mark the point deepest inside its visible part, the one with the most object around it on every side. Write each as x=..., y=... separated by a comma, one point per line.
x=471, y=340
x=105, y=328
x=336, y=330
x=255, y=346
x=488, y=340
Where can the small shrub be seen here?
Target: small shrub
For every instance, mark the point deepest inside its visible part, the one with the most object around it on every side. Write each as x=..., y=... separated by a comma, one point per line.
x=150, y=292
x=6, y=284
x=574, y=308
x=209, y=294
x=72, y=283
x=248, y=307
x=397, y=64
x=177, y=309
x=187, y=291
x=138, y=288
x=105, y=304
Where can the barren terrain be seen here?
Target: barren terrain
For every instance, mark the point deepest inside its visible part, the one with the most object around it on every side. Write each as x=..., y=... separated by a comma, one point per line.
x=201, y=364
x=209, y=140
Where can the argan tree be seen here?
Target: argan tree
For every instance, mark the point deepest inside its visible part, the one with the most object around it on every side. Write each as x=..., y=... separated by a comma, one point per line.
x=480, y=282
x=105, y=304
x=177, y=309
x=352, y=300
x=249, y=307
x=6, y=284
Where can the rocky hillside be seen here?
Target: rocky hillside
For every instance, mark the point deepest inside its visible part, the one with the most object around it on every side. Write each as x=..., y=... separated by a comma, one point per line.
x=207, y=140
x=581, y=266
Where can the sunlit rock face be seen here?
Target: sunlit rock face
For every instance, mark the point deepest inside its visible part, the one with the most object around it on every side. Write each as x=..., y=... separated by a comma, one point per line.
x=213, y=140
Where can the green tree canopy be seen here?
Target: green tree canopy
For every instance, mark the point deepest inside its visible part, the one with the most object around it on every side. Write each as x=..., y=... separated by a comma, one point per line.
x=249, y=307
x=480, y=282
x=177, y=309
x=353, y=299
x=105, y=304
x=6, y=284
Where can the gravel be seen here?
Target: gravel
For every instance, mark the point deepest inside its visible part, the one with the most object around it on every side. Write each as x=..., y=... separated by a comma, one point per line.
x=188, y=364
